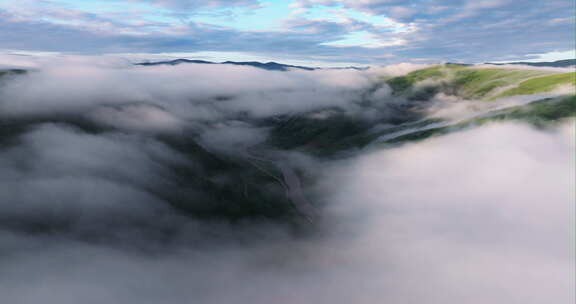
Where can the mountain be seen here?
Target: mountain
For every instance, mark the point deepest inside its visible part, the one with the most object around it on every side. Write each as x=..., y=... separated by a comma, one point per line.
x=270, y=66
x=473, y=83
x=175, y=62
x=557, y=64
x=275, y=66
x=339, y=133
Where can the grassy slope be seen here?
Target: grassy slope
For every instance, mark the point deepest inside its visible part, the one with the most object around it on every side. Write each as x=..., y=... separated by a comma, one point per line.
x=475, y=83
x=479, y=83
x=540, y=84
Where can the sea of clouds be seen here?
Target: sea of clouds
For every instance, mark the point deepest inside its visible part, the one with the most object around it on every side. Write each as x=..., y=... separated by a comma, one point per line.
x=479, y=216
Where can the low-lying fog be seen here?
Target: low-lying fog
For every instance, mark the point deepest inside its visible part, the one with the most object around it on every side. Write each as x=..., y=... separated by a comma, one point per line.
x=92, y=159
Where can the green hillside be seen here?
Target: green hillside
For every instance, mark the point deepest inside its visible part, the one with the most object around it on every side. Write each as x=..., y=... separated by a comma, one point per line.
x=541, y=114
x=540, y=84
x=471, y=82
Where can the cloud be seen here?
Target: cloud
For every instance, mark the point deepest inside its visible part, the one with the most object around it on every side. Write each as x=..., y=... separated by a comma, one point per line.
x=455, y=30
x=175, y=37
x=525, y=67
x=59, y=178
x=123, y=134
x=233, y=136
x=398, y=69
x=127, y=184
x=455, y=219
x=421, y=31
x=243, y=89
x=202, y=4
x=421, y=222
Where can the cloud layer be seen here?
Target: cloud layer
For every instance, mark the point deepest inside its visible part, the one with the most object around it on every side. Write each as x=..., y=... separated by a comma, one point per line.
x=439, y=30
x=419, y=223
x=142, y=185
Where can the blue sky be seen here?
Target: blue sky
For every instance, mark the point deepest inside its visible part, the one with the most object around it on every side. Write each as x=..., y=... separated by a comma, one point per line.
x=321, y=32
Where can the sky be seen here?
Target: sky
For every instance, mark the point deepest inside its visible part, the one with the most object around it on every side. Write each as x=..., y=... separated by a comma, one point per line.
x=317, y=32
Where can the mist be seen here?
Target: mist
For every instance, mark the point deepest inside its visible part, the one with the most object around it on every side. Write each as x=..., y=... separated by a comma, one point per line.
x=202, y=184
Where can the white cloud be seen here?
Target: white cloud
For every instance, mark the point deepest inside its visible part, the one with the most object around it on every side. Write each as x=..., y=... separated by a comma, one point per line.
x=202, y=4
x=180, y=91
x=449, y=219
x=480, y=216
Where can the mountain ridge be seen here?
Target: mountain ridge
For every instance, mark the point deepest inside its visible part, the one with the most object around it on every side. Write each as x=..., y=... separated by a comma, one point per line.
x=565, y=63
x=271, y=66
x=275, y=66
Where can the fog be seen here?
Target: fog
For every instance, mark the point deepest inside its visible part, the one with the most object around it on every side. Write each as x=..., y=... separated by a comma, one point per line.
x=187, y=184
x=481, y=216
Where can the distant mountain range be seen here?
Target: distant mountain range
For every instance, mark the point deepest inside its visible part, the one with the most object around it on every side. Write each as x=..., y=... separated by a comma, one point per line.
x=271, y=66
x=275, y=66
x=557, y=64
